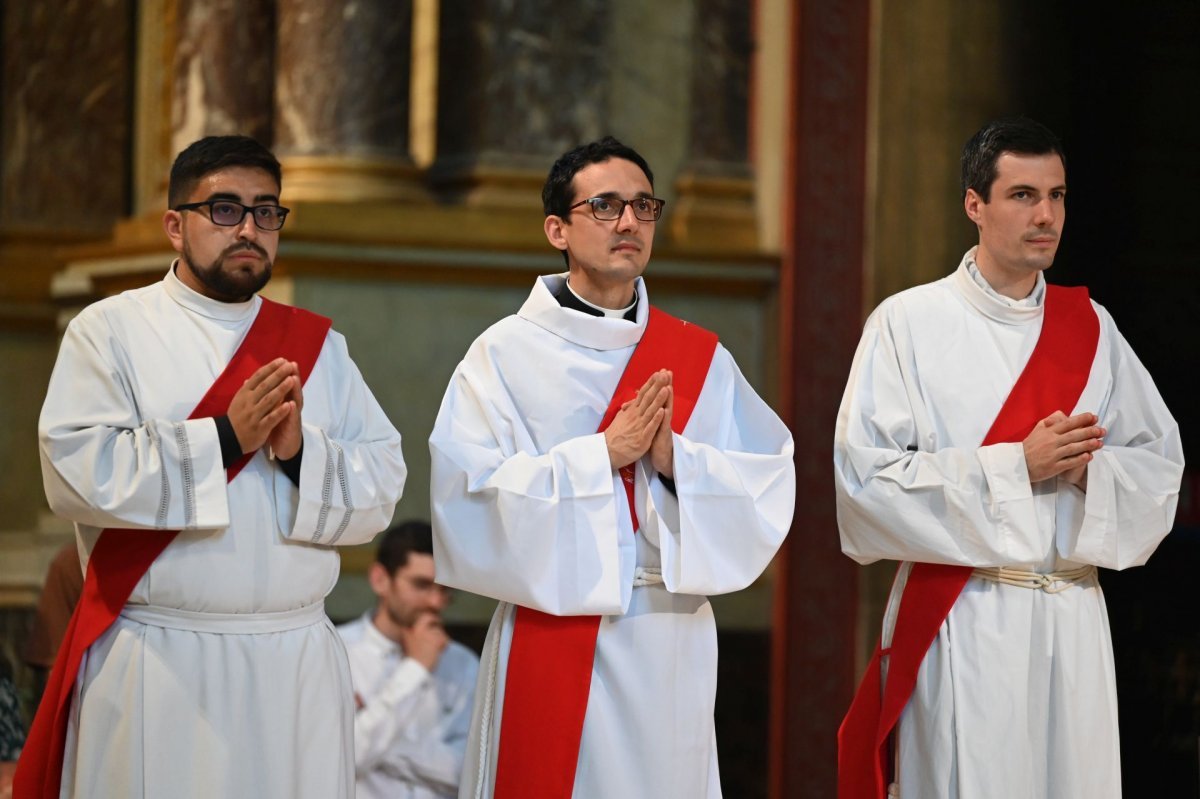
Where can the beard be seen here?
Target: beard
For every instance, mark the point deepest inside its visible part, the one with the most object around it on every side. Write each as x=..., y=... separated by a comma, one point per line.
x=230, y=285
x=403, y=616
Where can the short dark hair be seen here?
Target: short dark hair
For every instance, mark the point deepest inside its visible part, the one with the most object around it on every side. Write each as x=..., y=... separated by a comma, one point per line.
x=556, y=194
x=399, y=541
x=217, y=152
x=1009, y=135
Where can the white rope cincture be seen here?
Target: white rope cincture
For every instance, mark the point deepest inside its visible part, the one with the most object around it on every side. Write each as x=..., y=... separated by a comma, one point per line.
x=1050, y=582
x=647, y=576
x=489, y=701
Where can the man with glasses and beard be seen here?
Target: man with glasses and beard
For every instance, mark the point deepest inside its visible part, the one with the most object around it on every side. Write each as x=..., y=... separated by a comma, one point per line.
x=601, y=467
x=211, y=447
x=413, y=686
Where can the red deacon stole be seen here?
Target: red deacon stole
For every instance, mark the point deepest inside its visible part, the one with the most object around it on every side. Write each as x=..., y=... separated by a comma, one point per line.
x=121, y=557
x=1053, y=379
x=550, y=659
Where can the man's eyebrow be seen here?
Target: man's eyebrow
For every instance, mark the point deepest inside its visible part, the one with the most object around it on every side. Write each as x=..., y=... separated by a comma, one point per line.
x=614, y=195
x=1035, y=189
x=228, y=195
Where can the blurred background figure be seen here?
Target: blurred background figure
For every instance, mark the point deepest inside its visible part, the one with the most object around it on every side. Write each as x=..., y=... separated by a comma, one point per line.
x=413, y=686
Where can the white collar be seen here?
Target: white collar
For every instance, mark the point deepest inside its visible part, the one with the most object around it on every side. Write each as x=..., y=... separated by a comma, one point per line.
x=975, y=289
x=377, y=640
x=207, y=306
x=610, y=313
x=594, y=332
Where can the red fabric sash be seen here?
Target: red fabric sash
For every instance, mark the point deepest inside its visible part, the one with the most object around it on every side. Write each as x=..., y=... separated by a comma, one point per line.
x=550, y=660
x=1053, y=379
x=121, y=557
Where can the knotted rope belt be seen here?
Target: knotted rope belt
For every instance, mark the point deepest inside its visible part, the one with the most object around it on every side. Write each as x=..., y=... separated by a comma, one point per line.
x=1050, y=582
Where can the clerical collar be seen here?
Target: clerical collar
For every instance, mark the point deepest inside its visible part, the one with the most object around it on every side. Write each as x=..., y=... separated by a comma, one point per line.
x=567, y=298
x=1033, y=300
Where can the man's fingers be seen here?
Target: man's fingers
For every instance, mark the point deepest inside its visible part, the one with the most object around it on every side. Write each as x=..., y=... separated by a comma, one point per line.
x=265, y=371
x=1083, y=434
x=649, y=390
x=1067, y=464
x=278, y=415
x=277, y=394
x=1067, y=423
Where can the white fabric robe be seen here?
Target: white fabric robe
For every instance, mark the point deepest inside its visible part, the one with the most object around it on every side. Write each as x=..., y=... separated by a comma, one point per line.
x=527, y=509
x=1016, y=697
x=410, y=735
x=204, y=701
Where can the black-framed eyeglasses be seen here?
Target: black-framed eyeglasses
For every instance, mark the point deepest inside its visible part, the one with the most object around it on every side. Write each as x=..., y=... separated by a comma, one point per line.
x=606, y=209
x=230, y=214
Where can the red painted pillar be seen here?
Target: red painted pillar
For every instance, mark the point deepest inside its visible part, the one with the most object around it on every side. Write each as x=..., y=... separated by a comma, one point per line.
x=813, y=662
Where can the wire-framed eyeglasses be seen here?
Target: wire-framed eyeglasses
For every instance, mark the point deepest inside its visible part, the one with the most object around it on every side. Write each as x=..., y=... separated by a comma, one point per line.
x=606, y=209
x=230, y=214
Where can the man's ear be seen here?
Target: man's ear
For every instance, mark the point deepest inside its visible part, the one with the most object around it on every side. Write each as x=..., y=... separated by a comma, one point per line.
x=378, y=577
x=555, y=232
x=972, y=204
x=173, y=225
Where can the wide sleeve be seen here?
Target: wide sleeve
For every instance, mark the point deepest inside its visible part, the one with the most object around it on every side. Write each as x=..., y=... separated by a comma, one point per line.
x=379, y=722
x=433, y=744
x=352, y=472
x=735, y=484
x=904, y=492
x=539, y=529
x=106, y=466
x=1133, y=482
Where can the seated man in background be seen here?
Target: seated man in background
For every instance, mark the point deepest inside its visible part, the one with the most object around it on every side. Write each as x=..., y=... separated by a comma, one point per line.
x=414, y=687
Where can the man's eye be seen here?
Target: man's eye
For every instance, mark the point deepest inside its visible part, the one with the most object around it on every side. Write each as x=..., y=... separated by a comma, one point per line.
x=641, y=204
x=224, y=209
x=602, y=205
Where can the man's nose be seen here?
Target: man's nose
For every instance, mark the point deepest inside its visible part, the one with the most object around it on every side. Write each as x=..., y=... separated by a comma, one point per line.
x=628, y=220
x=246, y=228
x=1044, y=212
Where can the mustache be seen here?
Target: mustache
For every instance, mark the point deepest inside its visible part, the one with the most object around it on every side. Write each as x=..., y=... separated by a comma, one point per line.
x=243, y=246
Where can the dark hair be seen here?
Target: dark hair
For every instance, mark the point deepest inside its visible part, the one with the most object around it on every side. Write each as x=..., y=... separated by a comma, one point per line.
x=395, y=545
x=1011, y=135
x=217, y=152
x=556, y=194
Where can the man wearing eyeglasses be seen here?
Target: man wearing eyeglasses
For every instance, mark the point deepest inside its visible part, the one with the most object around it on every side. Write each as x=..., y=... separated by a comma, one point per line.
x=413, y=686
x=212, y=448
x=601, y=467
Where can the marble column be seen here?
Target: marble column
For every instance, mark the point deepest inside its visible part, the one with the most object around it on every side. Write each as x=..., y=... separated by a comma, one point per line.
x=66, y=116
x=223, y=71
x=342, y=100
x=518, y=84
x=207, y=69
x=716, y=191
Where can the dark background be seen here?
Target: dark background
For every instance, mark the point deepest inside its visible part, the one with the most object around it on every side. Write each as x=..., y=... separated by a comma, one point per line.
x=1122, y=93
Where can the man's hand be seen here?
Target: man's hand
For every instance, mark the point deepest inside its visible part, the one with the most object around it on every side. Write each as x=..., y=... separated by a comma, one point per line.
x=425, y=640
x=636, y=424
x=1061, y=444
x=662, y=448
x=286, y=438
x=261, y=403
